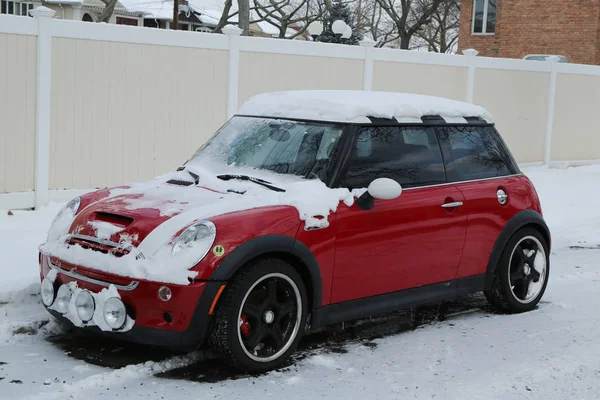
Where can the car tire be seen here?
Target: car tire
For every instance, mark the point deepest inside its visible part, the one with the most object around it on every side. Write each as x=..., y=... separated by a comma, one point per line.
x=521, y=277
x=261, y=316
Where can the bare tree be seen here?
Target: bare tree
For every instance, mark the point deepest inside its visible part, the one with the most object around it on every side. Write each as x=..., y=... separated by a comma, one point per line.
x=441, y=34
x=244, y=16
x=289, y=13
x=243, y=13
x=370, y=18
x=225, y=16
x=409, y=16
x=109, y=8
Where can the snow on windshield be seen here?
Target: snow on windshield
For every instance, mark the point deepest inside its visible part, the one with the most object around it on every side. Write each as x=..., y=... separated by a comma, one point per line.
x=285, y=147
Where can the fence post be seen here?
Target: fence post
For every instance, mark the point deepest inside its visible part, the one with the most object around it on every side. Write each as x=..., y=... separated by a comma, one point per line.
x=553, y=60
x=233, y=68
x=368, y=45
x=471, y=54
x=43, y=16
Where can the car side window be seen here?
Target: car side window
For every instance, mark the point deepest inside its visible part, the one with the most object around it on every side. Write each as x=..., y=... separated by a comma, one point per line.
x=474, y=152
x=409, y=155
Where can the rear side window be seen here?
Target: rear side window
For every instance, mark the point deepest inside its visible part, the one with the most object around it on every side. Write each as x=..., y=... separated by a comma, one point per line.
x=474, y=152
x=409, y=155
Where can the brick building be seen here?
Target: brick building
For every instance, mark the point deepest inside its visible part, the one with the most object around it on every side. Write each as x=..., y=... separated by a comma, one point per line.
x=515, y=28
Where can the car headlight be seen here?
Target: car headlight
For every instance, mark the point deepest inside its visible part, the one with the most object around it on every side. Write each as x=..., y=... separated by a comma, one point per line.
x=199, y=237
x=62, y=222
x=72, y=206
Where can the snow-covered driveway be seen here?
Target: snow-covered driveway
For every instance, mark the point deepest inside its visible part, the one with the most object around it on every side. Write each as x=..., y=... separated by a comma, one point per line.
x=551, y=353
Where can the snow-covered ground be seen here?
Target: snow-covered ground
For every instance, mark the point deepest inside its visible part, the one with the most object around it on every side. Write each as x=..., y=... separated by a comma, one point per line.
x=549, y=353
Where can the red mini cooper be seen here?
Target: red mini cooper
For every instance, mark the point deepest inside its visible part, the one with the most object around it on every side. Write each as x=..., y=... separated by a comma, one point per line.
x=305, y=209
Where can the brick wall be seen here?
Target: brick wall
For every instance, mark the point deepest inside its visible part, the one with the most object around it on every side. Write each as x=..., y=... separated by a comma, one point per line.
x=565, y=27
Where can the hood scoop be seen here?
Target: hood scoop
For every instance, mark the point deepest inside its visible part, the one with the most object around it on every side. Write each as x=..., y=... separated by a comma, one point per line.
x=121, y=221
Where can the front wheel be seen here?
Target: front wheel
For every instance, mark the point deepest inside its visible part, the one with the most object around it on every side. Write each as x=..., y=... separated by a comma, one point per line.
x=260, y=319
x=521, y=276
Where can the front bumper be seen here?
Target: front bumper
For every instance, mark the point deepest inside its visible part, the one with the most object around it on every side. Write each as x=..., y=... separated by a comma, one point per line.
x=181, y=323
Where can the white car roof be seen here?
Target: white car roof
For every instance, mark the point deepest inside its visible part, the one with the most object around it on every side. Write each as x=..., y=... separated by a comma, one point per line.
x=356, y=106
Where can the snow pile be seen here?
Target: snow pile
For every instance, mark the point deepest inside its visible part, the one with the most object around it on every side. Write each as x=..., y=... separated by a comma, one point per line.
x=569, y=200
x=355, y=106
x=104, y=230
x=20, y=235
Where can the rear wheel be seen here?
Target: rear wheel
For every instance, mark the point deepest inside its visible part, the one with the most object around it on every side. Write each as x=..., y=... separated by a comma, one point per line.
x=261, y=317
x=521, y=276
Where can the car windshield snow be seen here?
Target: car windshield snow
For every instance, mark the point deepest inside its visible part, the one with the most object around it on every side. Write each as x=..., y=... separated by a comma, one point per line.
x=282, y=146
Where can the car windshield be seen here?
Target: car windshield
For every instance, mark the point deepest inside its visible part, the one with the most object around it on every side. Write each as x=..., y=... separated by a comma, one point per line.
x=282, y=146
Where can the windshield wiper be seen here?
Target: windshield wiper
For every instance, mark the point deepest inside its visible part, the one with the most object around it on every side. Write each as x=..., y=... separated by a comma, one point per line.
x=196, y=177
x=259, y=181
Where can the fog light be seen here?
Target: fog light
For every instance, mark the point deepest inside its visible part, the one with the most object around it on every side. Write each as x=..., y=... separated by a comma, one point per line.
x=164, y=293
x=47, y=292
x=114, y=313
x=63, y=297
x=84, y=302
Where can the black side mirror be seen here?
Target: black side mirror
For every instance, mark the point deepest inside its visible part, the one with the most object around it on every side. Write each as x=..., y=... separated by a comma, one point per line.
x=366, y=201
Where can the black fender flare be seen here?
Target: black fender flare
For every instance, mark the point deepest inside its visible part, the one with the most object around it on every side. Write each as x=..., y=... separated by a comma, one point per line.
x=521, y=219
x=272, y=244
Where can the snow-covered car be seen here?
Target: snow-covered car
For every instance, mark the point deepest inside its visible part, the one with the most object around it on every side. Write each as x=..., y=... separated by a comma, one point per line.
x=305, y=209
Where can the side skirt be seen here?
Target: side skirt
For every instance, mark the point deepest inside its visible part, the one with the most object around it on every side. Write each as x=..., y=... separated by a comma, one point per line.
x=396, y=301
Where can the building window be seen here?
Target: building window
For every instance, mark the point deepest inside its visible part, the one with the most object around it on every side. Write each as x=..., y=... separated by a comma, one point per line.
x=127, y=21
x=16, y=8
x=484, y=16
x=199, y=28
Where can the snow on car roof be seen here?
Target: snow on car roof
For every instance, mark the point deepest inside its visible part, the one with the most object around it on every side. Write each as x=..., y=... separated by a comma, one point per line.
x=356, y=106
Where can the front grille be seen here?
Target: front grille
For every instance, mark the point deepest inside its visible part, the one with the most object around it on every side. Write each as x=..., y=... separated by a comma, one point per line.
x=102, y=246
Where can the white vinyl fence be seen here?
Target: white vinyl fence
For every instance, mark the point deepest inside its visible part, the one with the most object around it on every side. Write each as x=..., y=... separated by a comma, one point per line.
x=85, y=105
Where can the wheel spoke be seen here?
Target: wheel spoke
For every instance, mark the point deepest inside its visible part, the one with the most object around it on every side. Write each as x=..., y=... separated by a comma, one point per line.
x=271, y=291
x=256, y=336
x=518, y=259
x=521, y=289
x=285, y=309
x=277, y=336
x=516, y=276
x=530, y=256
x=534, y=275
x=252, y=311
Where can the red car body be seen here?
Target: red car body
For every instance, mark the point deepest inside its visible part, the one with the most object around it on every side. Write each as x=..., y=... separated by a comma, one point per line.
x=345, y=251
x=402, y=252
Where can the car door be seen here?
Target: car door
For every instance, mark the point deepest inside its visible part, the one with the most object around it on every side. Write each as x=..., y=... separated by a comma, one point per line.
x=413, y=240
x=481, y=167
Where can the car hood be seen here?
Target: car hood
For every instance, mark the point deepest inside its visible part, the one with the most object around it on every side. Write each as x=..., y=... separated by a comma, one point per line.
x=148, y=215
x=127, y=214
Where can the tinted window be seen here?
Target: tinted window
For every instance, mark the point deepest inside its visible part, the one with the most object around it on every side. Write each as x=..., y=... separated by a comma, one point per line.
x=410, y=156
x=473, y=152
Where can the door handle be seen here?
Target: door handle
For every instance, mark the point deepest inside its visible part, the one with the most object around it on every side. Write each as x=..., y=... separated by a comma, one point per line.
x=452, y=205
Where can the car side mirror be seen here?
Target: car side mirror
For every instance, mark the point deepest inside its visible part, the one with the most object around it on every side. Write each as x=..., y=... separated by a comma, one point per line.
x=380, y=188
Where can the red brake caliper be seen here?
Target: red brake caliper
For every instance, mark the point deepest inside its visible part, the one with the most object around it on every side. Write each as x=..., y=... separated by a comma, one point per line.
x=244, y=325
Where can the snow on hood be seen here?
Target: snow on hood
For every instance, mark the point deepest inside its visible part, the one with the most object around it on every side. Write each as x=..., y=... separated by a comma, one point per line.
x=355, y=106
x=184, y=205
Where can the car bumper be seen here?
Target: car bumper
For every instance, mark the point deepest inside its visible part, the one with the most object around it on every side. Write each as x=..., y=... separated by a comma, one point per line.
x=181, y=323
